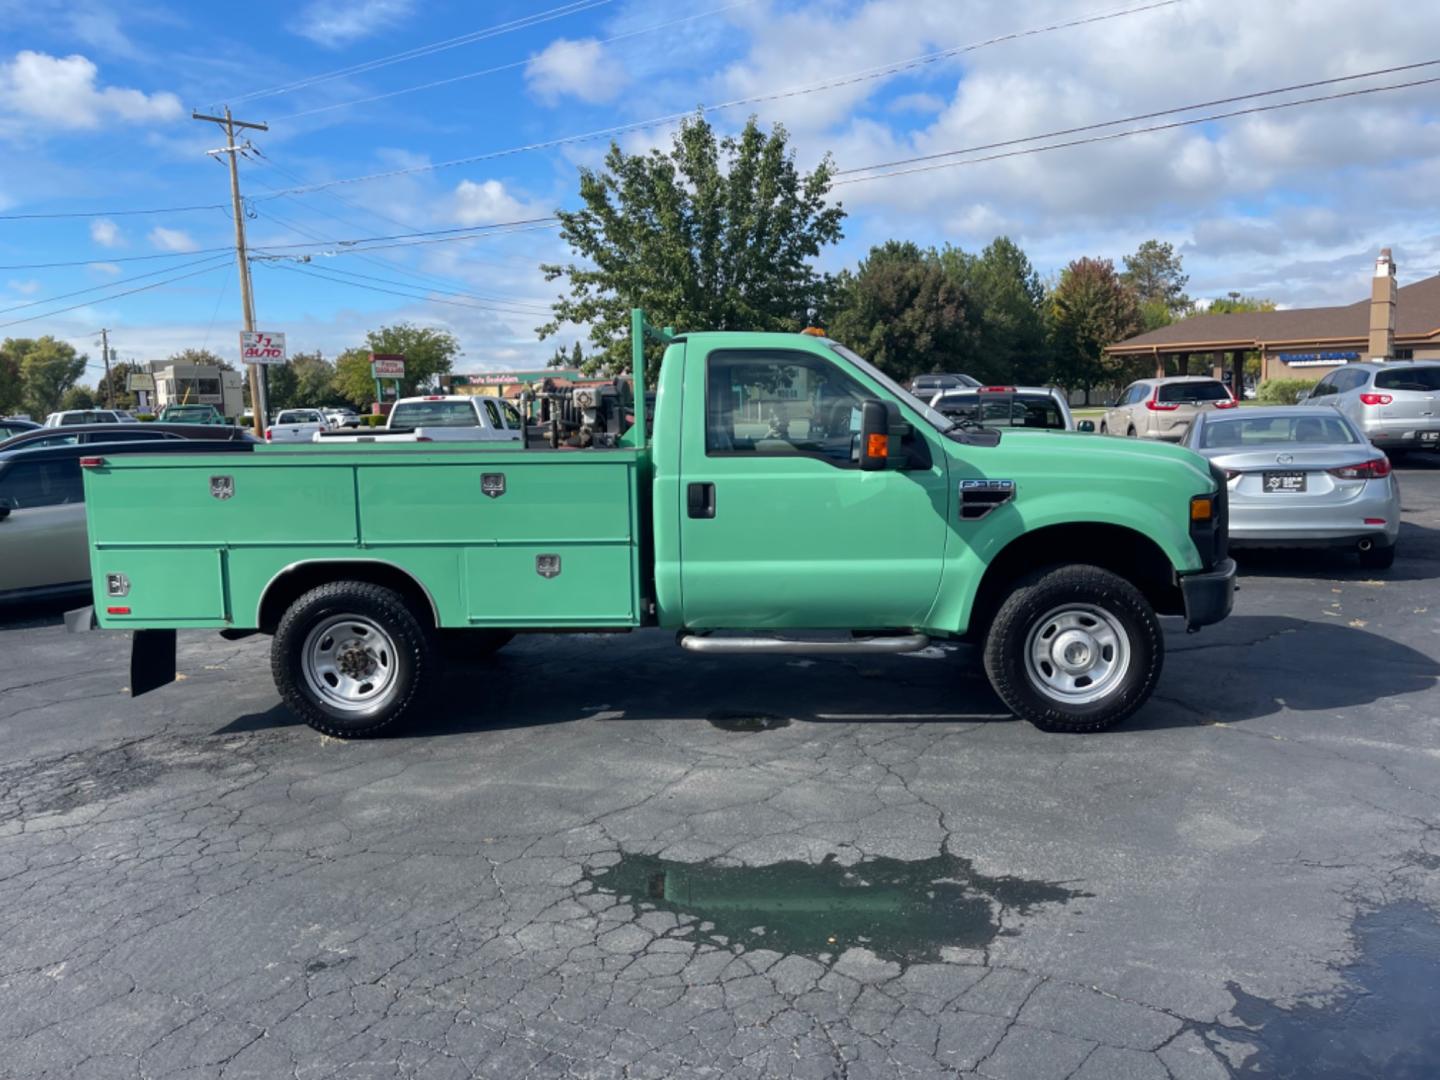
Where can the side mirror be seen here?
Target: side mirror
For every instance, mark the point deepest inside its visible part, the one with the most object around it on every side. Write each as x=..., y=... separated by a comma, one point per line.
x=1085, y=425
x=1302, y=396
x=874, y=435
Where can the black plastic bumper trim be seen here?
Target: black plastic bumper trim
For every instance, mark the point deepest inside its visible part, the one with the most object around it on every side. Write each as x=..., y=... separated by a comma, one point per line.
x=1209, y=595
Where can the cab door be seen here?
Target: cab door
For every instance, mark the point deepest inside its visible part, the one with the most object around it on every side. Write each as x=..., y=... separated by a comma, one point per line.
x=779, y=527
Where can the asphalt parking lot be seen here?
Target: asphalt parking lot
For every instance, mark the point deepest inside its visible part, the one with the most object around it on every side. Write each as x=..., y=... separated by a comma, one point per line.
x=603, y=858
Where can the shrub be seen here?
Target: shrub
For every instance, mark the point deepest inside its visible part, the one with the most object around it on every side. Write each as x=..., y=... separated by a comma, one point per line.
x=374, y=421
x=1282, y=391
x=145, y=417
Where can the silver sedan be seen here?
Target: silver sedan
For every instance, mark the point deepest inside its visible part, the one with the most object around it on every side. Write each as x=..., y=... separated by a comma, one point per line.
x=1302, y=476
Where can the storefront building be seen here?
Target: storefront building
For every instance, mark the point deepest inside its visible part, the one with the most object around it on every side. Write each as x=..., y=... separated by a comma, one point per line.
x=1301, y=343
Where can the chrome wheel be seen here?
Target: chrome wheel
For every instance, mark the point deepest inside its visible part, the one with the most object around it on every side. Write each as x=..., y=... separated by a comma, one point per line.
x=349, y=662
x=1077, y=654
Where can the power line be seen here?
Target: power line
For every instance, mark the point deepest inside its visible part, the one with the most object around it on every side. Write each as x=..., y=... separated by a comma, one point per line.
x=316, y=272
x=864, y=75
x=106, y=262
x=1126, y=134
x=523, y=23
x=107, y=285
x=111, y=213
x=507, y=67
x=512, y=305
x=116, y=296
x=1145, y=116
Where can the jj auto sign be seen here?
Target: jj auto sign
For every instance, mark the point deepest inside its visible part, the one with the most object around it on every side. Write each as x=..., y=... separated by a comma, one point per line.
x=262, y=347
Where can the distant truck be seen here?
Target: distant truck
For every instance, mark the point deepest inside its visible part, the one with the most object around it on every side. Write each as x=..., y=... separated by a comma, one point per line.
x=190, y=414
x=787, y=490
x=441, y=418
x=296, y=425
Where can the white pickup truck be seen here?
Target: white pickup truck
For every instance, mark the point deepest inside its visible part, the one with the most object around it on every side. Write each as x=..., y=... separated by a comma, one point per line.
x=441, y=418
x=296, y=425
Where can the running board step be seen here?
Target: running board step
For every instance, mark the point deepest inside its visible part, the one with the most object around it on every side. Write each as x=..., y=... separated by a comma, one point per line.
x=899, y=643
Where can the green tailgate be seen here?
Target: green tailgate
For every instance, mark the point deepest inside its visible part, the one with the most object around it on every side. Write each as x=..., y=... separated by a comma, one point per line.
x=495, y=537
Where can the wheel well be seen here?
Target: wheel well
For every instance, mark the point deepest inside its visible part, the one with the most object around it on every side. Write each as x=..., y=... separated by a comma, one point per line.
x=291, y=584
x=1130, y=554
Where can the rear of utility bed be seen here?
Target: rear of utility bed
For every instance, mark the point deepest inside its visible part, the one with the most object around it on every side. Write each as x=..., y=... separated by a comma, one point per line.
x=492, y=537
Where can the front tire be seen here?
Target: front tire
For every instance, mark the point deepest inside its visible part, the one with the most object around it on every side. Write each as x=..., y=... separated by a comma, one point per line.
x=352, y=659
x=1074, y=649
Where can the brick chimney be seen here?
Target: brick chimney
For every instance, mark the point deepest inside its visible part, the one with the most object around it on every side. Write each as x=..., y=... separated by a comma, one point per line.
x=1383, y=293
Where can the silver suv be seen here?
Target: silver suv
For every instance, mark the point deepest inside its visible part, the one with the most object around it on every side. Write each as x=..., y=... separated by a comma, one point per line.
x=1396, y=405
x=1163, y=408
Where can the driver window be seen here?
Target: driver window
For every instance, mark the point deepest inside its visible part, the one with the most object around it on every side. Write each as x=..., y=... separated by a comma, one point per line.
x=494, y=413
x=1324, y=386
x=781, y=404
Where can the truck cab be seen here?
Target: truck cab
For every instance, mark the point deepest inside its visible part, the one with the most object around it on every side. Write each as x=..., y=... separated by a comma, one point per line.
x=787, y=489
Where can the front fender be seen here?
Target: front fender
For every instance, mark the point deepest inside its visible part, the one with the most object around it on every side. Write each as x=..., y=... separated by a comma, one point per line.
x=972, y=547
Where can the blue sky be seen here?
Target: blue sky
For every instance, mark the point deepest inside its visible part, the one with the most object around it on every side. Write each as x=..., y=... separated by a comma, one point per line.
x=95, y=102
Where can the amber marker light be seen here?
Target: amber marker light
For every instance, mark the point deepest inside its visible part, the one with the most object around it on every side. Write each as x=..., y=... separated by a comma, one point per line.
x=1202, y=508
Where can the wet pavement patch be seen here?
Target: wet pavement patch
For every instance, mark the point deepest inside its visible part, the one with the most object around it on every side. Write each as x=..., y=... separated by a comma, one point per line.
x=902, y=911
x=747, y=722
x=1384, y=1021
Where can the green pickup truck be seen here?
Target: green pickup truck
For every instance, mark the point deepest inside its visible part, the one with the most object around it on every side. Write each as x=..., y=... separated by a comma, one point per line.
x=787, y=489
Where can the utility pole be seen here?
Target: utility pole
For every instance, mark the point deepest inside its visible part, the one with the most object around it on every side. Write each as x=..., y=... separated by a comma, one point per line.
x=247, y=298
x=105, y=355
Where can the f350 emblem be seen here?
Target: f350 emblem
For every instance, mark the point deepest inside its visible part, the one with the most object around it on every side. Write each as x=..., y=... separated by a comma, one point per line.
x=492, y=484
x=222, y=487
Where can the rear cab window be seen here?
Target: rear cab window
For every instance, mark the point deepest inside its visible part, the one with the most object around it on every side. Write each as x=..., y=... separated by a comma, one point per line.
x=434, y=414
x=1245, y=432
x=1190, y=393
x=1005, y=410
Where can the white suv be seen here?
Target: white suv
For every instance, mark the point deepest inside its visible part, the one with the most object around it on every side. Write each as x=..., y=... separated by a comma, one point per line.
x=1163, y=408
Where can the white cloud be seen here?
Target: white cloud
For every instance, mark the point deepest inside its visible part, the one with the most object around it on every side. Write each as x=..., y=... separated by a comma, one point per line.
x=28, y=287
x=336, y=23
x=106, y=233
x=106, y=268
x=488, y=202
x=172, y=239
x=581, y=69
x=62, y=92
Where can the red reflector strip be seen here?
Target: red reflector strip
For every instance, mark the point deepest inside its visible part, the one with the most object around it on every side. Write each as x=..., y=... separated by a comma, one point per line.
x=1374, y=521
x=117, y=611
x=91, y=462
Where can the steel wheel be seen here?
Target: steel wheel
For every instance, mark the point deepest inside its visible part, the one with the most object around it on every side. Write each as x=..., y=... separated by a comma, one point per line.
x=1077, y=654
x=349, y=662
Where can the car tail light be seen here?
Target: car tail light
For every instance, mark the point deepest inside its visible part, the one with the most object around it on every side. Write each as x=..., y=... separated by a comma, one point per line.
x=117, y=611
x=1376, y=399
x=1228, y=403
x=1155, y=405
x=1374, y=521
x=423, y=438
x=267, y=434
x=997, y=390
x=91, y=462
x=1374, y=469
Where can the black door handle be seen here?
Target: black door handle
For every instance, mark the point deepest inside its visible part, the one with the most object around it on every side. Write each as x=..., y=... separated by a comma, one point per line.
x=700, y=500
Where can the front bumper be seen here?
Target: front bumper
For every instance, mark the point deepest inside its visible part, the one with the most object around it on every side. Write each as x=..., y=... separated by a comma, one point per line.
x=1209, y=595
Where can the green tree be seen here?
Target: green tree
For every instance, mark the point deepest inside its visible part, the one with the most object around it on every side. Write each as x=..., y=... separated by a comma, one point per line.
x=200, y=357
x=1090, y=308
x=48, y=367
x=119, y=375
x=1008, y=307
x=902, y=311
x=352, y=377
x=1233, y=303
x=12, y=389
x=315, y=380
x=717, y=234
x=1156, y=274
x=78, y=397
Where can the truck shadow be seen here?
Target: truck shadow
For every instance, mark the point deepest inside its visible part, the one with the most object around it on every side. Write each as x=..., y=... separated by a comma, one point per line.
x=1248, y=667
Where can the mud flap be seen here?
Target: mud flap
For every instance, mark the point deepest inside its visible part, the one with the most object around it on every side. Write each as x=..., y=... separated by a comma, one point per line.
x=152, y=660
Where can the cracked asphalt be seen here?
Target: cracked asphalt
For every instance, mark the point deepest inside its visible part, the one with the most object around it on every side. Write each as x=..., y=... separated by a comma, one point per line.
x=599, y=857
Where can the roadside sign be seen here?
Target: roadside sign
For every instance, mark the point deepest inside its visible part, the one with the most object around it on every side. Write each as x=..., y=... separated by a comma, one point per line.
x=136, y=381
x=262, y=347
x=387, y=365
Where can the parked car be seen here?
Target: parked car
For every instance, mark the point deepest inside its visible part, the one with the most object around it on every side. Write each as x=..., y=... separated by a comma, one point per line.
x=13, y=425
x=341, y=418
x=43, y=549
x=82, y=416
x=923, y=386
x=1007, y=407
x=442, y=418
x=296, y=425
x=1163, y=408
x=1302, y=476
x=1395, y=405
x=93, y=433
x=191, y=414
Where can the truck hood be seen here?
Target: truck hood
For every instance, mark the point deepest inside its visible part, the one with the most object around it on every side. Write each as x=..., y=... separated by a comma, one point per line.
x=1101, y=455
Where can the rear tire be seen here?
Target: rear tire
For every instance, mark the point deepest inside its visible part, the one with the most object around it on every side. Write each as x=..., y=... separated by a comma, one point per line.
x=352, y=659
x=1378, y=558
x=1074, y=649
x=1103, y=429
x=1130, y=434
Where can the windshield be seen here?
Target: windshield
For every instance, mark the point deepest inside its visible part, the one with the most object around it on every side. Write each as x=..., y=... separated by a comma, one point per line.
x=936, y=420
x=298, y=416
x=1415, y=378
x=434, y=414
